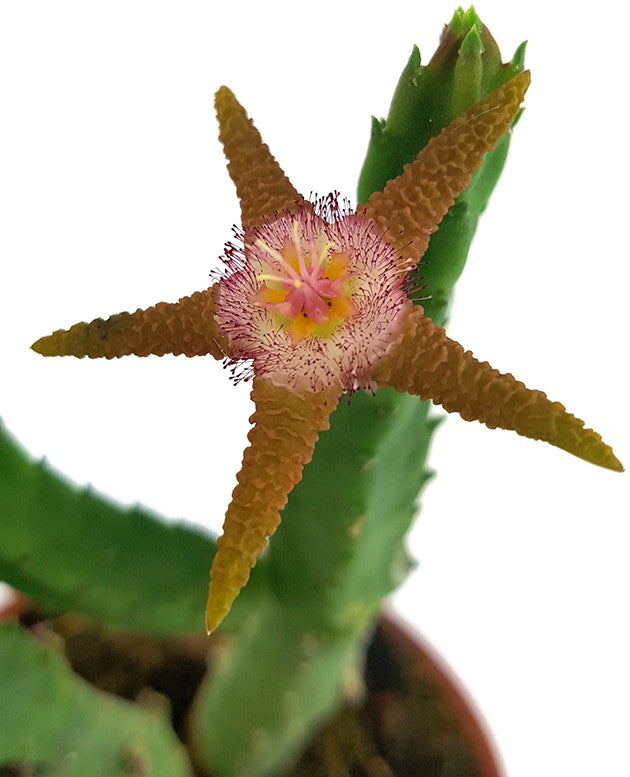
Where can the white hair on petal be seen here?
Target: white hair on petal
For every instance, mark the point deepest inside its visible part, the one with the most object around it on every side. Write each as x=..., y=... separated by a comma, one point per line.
x=261, y=345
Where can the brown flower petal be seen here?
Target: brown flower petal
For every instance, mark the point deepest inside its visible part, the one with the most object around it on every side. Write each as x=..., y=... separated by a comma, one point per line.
x=411, y=206
x=286, y=427
x=261, y=185
x=425, y=362
x=185, y=327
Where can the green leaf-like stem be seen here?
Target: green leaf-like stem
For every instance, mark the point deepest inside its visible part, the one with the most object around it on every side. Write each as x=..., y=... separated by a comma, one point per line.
x=338, y=552
x=53, y=719
x=71, y=549
x=272, y=686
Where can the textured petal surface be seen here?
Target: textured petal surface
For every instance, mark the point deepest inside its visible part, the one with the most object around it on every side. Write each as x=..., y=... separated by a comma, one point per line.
x=186, y=327
x=286, y=427
x=411, y=206
x=425, y=362
x=261, y=185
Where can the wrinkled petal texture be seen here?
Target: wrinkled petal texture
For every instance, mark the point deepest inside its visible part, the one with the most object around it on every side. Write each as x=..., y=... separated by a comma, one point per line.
x=345, y=358
x=411, y=206
x=286, y=428
x=186, y=327
x=308, y=333
x=261, y=185
x=427, y=363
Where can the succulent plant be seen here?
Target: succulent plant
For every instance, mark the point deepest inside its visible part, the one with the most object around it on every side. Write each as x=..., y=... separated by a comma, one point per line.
x=316, y=300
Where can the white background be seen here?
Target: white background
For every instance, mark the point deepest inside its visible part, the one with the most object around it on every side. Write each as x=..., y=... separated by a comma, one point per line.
x=114, y=195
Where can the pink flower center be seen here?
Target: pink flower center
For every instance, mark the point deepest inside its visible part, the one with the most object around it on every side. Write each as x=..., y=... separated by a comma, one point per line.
x=307, y=286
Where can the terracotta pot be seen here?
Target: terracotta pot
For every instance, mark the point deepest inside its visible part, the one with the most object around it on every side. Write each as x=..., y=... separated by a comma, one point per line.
x=422, y=716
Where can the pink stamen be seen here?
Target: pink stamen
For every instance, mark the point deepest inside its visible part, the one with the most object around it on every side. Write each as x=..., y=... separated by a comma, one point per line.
x=327, y=288
x=278, y=257
x=298, y=247
x=313, y=305
x=319, y=259
x=307, y=290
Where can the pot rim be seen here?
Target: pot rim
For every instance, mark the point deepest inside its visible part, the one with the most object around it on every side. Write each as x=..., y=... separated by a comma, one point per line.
x=473, y=723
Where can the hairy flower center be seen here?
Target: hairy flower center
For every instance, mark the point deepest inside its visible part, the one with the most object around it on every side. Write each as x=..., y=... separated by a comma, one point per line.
x=311, y=299
x=307, y=287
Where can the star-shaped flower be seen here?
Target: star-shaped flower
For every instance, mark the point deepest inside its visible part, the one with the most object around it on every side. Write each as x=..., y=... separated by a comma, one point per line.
x=312, y=302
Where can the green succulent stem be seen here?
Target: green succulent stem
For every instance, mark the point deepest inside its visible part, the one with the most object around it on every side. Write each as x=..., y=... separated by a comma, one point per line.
x=57, y=720
x=73, y=550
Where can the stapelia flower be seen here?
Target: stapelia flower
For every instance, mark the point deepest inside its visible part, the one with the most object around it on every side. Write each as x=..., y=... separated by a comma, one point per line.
x=312, y=302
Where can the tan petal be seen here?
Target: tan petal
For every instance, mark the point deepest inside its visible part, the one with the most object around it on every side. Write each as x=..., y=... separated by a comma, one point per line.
x=261, y=185
x=411, y=206
x=427, y=363
x=186, y=327
x=286, y=427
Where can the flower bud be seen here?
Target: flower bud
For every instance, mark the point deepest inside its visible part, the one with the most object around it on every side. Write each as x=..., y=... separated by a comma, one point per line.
x=465, y=67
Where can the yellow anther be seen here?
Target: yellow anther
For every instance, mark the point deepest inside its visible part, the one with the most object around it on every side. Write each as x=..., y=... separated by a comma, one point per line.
x=324, y=252
x=278, y=257
x=271, y=277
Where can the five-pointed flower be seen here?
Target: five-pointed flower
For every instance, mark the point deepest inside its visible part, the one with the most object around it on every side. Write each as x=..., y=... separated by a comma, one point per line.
x=313, y=303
